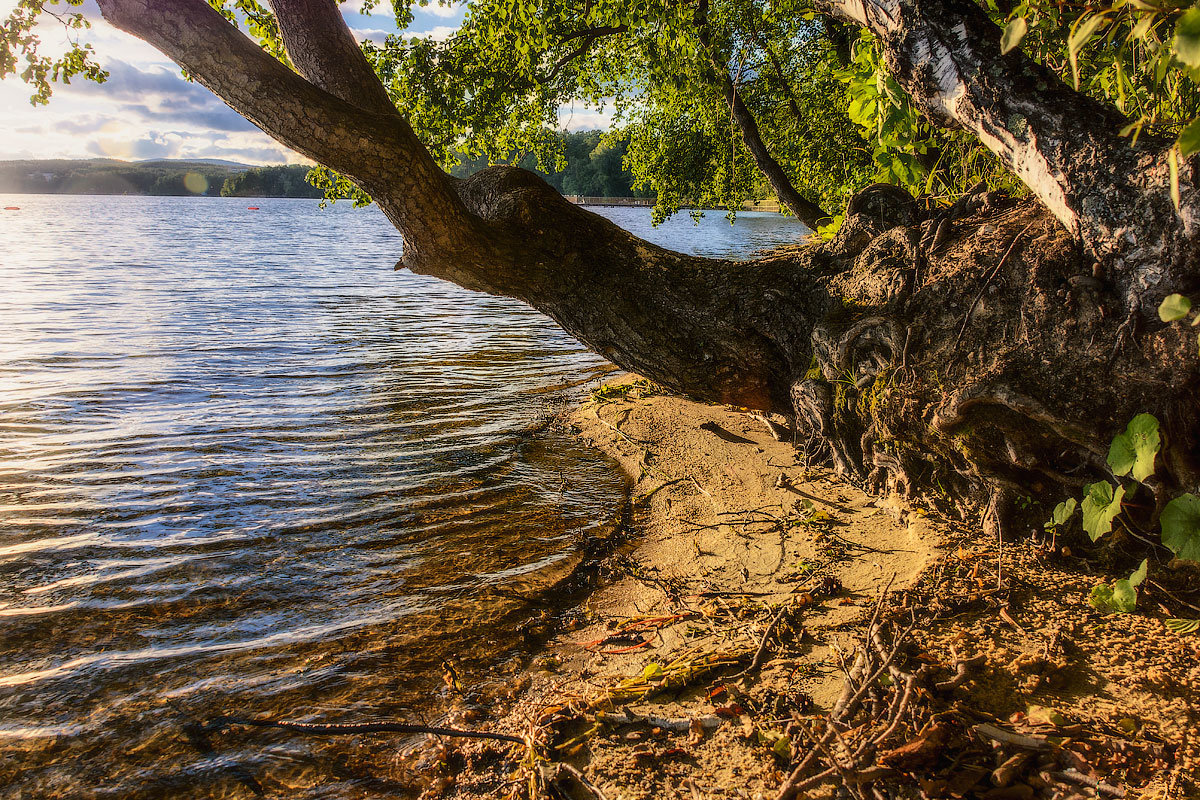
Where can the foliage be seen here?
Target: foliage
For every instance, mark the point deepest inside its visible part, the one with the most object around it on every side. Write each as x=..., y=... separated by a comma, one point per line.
x=1134, y=450
x=279, y=181
x=19, y=42
x=1062, y=514
x=1100, y=506
x=1143, y=56
x=1181, y=526
x=107, y=176
x=1176, y=308
x=1121, y=595
x=592, y=165
x=1182, y=625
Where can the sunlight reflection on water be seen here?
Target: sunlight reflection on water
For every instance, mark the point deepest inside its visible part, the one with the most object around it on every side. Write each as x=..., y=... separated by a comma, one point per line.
x=246, y=466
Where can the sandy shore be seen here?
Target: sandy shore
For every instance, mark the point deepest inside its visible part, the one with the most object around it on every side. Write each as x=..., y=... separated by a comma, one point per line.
x=729, y=621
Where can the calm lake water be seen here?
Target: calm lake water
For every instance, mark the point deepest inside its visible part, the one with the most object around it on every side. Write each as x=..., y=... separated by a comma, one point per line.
x=246, y=467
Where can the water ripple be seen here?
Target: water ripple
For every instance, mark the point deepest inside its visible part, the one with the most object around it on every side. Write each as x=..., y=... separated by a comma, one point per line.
x=246, y=465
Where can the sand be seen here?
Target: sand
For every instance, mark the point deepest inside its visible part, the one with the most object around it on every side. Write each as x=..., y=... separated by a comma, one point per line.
x=740, y=597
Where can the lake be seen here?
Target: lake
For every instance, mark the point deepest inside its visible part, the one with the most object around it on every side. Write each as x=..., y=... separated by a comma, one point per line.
x=247, y=467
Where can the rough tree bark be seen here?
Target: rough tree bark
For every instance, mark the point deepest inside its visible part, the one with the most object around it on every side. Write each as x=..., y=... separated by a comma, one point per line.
x=968, y=369
x=1113, y=197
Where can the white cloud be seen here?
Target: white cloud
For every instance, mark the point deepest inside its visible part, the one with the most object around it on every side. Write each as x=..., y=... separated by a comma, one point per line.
x=439, y=10
x=439, y=33
x=375, y=35
x=583, y=119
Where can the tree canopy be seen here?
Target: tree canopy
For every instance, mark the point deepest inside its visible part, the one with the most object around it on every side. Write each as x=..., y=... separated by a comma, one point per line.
x=948, y=339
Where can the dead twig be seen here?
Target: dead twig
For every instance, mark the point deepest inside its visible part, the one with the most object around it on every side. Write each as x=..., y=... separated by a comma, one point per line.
x=353, y=728
x=756, y=662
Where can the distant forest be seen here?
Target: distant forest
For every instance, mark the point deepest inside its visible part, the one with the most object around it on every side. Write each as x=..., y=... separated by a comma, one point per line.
x=594, y=169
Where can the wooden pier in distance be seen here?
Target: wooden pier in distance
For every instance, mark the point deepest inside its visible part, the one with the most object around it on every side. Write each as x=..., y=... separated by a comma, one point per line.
x=768, y=204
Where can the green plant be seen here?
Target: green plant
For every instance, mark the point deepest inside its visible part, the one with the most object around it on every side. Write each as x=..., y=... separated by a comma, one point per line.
x=1101, y=504
x=1134, y=452
x=1176, y=307
x=1061, y=515
x=1120, y=596
x=1182, y=625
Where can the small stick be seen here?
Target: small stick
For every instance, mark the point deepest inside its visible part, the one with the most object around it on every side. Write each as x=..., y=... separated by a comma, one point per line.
x=339, y=729
x=1007, y=737
x=762, y=645
x=582, y=781
x=1077, y=777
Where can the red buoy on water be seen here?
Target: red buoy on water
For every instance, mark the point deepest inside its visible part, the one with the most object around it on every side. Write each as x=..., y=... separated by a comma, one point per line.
x=252, y=208
x=12, y=208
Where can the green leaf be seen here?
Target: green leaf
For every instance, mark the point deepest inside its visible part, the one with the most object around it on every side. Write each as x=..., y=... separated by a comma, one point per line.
x=1100, y=506
x=1084, y=30
x=1181, y=527
x=1182, y=625
x=1121, y=596
x=1139, y=574
x=652, y=672
x=1062, y=513
x=1186, y=45
x=1174, y=307
x=1014, y=32
x=1189, y=138
x=1124, y=596
x=1135, y=449
x=1101, y=598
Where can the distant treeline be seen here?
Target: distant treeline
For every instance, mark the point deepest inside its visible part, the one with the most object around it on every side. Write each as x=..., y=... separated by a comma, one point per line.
x=593, y=169
x=282, y=181
x=110, y=176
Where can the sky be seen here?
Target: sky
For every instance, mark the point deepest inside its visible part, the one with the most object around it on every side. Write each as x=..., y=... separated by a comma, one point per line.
x=146, y=109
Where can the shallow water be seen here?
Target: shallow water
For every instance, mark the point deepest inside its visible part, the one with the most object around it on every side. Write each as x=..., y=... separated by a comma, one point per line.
x=246, y=467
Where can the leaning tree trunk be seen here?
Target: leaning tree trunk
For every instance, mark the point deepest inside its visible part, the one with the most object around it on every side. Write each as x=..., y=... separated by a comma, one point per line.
x=968, y=367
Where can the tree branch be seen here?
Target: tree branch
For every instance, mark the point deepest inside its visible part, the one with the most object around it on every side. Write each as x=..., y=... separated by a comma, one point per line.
x=325, y=52
x=377, y=150
x=806, y=211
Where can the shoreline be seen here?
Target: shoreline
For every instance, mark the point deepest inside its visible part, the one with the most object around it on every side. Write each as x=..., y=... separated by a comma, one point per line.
x=742, y=561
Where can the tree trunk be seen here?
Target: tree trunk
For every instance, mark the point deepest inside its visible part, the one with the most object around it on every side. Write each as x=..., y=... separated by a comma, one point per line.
x=967, y=368
x=1114, y=197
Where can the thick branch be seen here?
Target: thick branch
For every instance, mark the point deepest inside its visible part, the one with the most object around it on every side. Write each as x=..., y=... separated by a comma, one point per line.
x=379, y=151
x=324, y=51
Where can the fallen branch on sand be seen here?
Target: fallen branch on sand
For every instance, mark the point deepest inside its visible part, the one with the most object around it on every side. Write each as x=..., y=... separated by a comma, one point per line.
x=352, y=728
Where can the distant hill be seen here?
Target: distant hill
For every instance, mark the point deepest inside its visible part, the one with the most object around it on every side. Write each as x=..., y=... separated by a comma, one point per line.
x=165, y=177
x=208, y=162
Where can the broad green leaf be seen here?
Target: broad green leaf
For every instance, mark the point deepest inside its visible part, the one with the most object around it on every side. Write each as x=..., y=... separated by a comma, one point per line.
x=1100, y=506
x=652, y=671
x=1135, y=449
x=1139, y=574
x=1101, y=598
x=1186, y=44
x=1014, y=32
x=1062, y=513
x=1181, y=526
x=1189, y=139
x=1124, y=596
x=1182, y=625
x=1174, y=307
